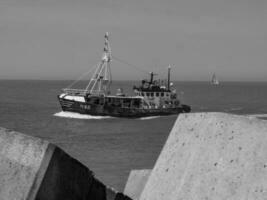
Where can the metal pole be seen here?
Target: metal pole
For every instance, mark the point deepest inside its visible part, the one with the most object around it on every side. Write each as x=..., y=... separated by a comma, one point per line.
x=169, y=75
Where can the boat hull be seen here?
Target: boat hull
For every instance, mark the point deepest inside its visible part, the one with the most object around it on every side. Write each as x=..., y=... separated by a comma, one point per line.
x=106, y=110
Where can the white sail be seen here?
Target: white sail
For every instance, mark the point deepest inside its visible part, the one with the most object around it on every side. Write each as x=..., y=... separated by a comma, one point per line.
x=214, y=80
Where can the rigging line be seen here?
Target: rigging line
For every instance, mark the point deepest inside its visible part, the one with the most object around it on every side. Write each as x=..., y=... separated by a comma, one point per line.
x=163, y=71
x=82, y=76
x=165, y=68
x=126, y=63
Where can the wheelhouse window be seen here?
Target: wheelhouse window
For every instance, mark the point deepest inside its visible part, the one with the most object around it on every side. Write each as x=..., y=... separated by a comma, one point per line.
x=152, y=94
x=148, y=94
x=162, y=94
x=157, y=94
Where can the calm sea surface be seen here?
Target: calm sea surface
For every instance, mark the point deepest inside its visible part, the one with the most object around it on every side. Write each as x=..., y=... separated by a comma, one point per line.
x=111, y=147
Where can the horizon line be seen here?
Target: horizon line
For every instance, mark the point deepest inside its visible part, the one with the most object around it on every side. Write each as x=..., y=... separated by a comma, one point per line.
x=236, y=81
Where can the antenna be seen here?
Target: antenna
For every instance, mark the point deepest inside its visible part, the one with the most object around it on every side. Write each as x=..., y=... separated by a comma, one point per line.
x=152, y=74
x=169, y=76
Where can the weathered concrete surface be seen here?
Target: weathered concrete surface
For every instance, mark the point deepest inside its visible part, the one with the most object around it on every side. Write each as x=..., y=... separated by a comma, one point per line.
x=211, y=156
x=20, y=160
x=31, y=168
x=136, y=182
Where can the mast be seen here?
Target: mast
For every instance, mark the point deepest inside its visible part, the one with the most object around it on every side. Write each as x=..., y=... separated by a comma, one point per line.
x=107, y=54
x=169, y=76
x=101, y=79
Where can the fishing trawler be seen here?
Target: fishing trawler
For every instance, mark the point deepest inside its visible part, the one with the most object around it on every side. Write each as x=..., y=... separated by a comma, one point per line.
x=214, y=80
x=151, y=98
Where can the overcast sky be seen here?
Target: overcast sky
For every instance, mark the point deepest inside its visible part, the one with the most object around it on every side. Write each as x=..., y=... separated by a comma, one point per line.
x=61, y=39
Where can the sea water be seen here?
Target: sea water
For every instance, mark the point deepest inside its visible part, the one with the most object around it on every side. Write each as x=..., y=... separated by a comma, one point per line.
x=110, y=146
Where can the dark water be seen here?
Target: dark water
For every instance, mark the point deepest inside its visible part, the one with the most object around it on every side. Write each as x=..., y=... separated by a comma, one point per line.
x=112, y=147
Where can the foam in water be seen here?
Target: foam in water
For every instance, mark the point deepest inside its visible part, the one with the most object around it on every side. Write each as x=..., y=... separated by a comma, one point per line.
x=146, y=118
x=79, y=116
x=236, y=108
x=84, y=116
x=257, y=116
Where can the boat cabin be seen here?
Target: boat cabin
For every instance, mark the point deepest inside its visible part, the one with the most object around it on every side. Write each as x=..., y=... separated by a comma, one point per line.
x=153, y=94
x=115, y=101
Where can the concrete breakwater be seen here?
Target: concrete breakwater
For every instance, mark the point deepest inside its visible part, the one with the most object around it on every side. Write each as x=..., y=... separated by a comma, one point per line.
x=213, y=156
x=32, y=168
x=206, y=156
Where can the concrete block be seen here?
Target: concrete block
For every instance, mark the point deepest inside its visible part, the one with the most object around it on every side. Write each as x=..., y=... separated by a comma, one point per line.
x=211, y=156
x=21, y=160
x=136, y=183
x=32, y=168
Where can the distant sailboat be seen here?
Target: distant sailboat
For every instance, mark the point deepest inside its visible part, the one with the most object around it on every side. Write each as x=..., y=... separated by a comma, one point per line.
x=214, y=80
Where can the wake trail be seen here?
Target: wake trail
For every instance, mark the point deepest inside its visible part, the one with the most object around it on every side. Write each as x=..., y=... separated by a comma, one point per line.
x=79, y=116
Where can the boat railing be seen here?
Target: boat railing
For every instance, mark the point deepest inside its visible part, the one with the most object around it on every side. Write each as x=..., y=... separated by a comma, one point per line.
x=97, y=93
x=75, y=91
x=82, y=92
